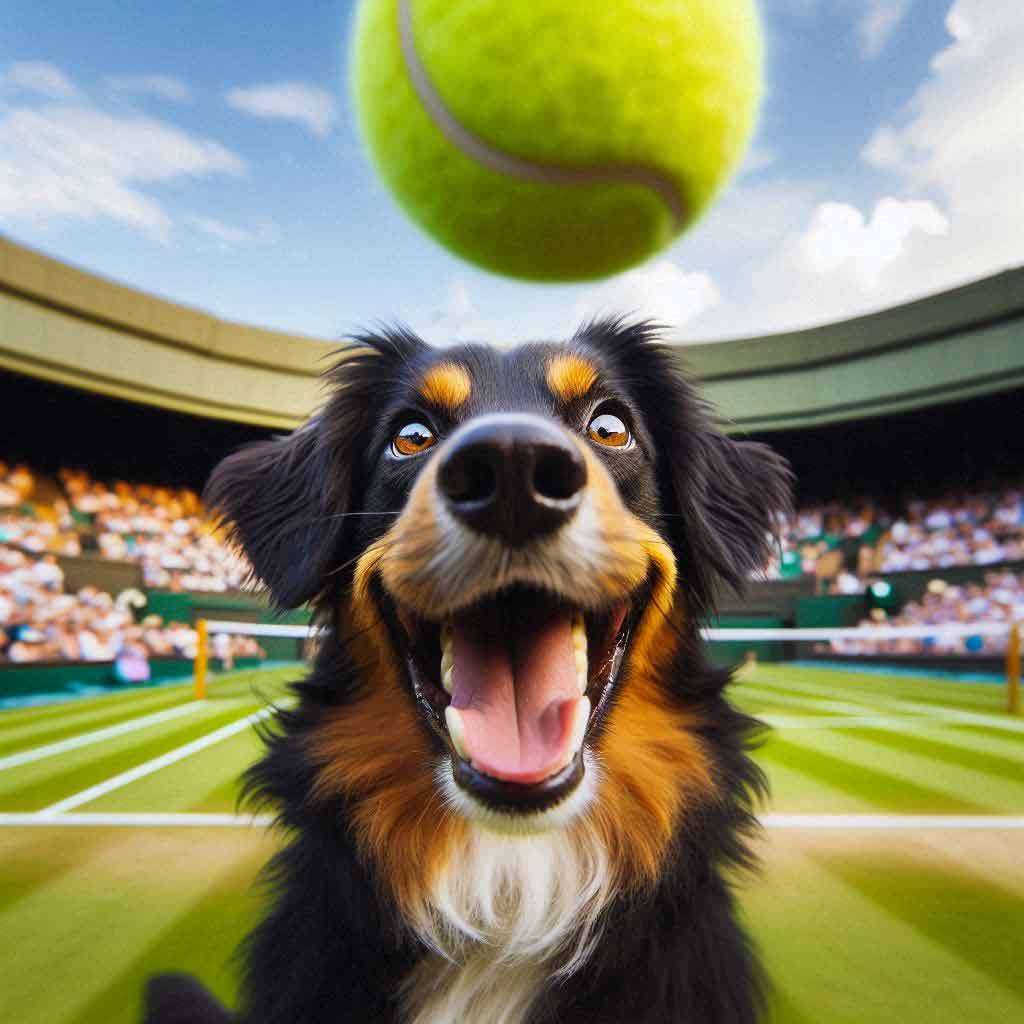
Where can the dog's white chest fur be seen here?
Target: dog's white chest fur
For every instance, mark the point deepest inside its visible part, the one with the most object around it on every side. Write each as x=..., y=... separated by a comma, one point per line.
x=508, y=914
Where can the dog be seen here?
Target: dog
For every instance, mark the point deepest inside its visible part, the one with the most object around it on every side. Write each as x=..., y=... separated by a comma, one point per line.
x=513, y=789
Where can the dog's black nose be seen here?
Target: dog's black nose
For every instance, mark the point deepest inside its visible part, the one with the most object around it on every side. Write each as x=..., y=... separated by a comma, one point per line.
x=512, y=477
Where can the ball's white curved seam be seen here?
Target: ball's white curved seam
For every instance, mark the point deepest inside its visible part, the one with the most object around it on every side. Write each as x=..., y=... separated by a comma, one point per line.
x=517, y=167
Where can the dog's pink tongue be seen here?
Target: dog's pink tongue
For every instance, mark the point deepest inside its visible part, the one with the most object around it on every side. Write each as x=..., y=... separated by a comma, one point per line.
x=515, y=687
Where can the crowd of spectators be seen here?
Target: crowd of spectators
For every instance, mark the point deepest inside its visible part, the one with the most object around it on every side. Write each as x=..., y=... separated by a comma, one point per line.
x=1000, y=598
x=164, y=531
x=979, y=529
x=159, y=528
x=40, y=622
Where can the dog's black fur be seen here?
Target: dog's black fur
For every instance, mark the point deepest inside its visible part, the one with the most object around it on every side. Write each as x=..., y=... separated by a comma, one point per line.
x=333, y=948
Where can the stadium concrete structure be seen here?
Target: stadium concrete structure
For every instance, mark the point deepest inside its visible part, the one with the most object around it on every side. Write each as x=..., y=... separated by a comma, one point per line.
x=892, y=887
x=68, y=326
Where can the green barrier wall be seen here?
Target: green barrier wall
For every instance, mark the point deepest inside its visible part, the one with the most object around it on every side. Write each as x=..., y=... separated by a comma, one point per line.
x=187, y=607
x=725, y=653
x=825, y=612
x=910, y=586
x=68, y=678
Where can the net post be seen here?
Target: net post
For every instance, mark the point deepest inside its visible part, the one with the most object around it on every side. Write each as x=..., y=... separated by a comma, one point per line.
x=202, y=657
x=1013, y=670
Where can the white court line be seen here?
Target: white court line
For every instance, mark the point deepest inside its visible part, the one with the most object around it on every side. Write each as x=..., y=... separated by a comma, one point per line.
x=844, y=708
x=886, y=821
x=945, y=822
x=858, y=632
x=144, y=820
x=770, y=691
x=785, y=723
x=85, y=739
x=154, y=765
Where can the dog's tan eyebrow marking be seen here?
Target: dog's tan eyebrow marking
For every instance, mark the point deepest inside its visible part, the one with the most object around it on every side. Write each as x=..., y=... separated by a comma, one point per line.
x=570, y=376
x=447, y=385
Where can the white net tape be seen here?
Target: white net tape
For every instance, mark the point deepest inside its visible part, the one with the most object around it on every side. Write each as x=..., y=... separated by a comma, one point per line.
x=953, y=629
x=261, y=629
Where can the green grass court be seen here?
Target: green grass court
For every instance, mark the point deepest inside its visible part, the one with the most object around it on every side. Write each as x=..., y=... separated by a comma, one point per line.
x=865, y=920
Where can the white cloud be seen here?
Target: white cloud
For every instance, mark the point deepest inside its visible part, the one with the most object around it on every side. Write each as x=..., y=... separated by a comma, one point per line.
x=839, y=263
x=841, y=239
x=878, y=24
x=225, y=234
x=290, y=101
x=39, y=77
x=953, y=209
x=75, y=160
x=962, y=139
x=660, y=291
x=458, y=320
x=162, y=86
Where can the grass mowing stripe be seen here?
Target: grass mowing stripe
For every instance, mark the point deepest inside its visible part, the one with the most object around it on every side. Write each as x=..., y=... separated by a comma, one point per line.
x=841, y=958
x=86, y=739
x=37, y=786
x=29, y=861
x=222, y=915
x=883, y=791
x=221, y=798
x=797, y=792
x=984, y=697
x=975, y=919
x=78, y=720
x=815, y=705
x=58, y=708
x=810, y=695
x=1016, y=739
x=899, y=683
x=782, y=1009
x=176, y=786
x=976, y=760
x=996, y=795
x=155, y=764
x=69, y=938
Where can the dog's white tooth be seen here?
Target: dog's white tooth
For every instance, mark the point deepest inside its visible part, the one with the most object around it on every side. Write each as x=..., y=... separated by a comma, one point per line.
x=456, y=730
x=581, y=717
x=448, y=678
x=581, y=669
x=579, y=634
x=447, y=656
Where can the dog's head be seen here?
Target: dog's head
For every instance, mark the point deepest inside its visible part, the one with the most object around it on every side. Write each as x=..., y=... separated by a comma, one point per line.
x=523, y=542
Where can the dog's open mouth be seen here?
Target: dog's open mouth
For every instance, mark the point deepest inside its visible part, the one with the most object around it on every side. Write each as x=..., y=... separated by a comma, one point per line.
x=513, y=685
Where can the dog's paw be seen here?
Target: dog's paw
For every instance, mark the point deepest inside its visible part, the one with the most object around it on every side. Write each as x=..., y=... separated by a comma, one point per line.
x=180, y=999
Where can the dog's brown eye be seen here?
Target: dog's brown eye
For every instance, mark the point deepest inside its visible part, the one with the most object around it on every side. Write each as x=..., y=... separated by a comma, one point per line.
x=412, y=439
x=609, y=430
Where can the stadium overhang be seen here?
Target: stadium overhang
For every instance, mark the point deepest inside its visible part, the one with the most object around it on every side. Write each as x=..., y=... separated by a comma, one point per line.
x=962, y=343
x=66, y=325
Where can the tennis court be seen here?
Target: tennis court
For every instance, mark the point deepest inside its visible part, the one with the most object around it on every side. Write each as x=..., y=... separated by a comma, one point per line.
x=892, y=887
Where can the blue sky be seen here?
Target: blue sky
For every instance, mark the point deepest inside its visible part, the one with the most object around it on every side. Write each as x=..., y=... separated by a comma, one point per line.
x=208, y=153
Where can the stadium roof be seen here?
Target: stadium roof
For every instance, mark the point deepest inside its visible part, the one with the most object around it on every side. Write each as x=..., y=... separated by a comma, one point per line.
x=65, y=325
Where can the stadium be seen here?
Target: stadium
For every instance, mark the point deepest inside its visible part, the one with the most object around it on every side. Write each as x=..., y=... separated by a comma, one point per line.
x=892, y=883
x=403, y=615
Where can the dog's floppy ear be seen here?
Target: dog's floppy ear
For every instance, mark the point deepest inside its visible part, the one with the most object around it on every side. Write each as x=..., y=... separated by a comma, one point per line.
x=725, y=499
x=281, y=501
x=733, y=497
x=284, y=501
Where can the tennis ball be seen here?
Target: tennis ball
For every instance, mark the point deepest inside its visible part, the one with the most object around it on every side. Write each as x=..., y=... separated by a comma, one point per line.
x=556, y=140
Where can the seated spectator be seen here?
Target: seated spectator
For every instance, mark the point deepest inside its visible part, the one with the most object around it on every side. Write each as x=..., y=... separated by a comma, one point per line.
x=999, y=599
